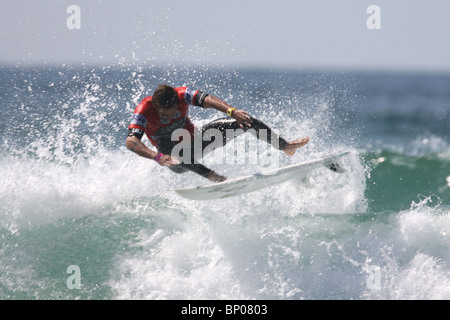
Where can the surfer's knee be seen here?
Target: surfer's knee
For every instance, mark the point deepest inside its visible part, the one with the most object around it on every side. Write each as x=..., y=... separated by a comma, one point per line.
x=178, y=169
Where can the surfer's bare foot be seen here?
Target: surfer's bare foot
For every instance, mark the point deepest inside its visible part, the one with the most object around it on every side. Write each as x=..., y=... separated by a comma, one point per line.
x=294, y=145
x=214, y=177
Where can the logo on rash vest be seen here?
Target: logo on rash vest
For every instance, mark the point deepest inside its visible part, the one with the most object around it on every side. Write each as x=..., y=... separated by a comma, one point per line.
x=139, y=120
x=189, y=95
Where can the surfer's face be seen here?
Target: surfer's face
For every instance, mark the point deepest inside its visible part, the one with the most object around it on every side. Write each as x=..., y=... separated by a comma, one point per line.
x=167, y=114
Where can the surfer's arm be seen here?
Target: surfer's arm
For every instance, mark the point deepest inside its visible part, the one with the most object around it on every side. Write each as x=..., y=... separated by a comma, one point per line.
x=135, y=145
x=241, y=116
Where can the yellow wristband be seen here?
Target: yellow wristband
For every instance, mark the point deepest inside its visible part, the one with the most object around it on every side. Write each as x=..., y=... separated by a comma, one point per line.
x=230, y=111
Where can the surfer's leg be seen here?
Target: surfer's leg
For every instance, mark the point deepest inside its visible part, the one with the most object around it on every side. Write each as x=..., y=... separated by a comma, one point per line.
x=178, y=169
x=199, y=169
x=166, y=146
x=258, y=128
x=195, y=167
x=275, y=140
x=263, y=132
x=294, y=145
x=217, y=126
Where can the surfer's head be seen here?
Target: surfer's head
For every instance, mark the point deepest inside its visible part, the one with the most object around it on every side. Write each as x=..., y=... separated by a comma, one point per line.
x=165, y=97
x=165, y=100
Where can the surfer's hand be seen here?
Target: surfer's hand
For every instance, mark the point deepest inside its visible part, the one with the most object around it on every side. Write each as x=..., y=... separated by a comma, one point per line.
x=214, y=177
x=167, y=160
x=242, y=118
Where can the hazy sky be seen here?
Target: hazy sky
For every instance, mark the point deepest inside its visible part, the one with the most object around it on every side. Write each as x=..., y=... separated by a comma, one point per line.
x=414, y=34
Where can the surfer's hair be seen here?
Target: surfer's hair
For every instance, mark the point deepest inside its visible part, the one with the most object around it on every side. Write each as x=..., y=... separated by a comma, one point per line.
x=165, y=97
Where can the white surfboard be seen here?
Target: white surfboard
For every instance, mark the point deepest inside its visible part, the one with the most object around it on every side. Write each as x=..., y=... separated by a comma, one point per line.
x=259, y=181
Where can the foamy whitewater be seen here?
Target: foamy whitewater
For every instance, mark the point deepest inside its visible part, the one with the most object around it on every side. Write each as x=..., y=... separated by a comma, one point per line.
x=72, y=195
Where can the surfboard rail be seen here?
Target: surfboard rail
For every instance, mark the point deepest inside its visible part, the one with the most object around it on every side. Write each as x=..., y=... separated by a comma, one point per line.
x=254, y=182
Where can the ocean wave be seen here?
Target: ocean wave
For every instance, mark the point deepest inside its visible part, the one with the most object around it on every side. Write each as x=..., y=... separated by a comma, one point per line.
x=395, y=179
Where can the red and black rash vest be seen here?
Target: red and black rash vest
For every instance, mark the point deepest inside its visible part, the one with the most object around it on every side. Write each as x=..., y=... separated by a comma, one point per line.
x=146, y=117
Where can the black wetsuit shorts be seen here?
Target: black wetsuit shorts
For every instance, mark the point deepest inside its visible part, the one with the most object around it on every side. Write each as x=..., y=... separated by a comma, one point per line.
x=259, y=128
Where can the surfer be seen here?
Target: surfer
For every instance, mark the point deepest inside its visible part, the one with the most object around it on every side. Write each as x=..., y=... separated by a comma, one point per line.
x=159, y=116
